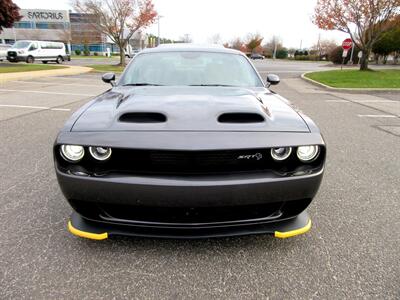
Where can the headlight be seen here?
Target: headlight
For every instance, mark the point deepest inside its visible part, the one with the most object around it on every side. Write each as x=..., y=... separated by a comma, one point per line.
x=307, y=153
x=72, y=153
x=100, y=153
x=281, y=153
x=21, y=52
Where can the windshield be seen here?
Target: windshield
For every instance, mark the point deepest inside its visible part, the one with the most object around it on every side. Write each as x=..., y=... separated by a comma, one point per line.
x=191, y=69
x=21, y=45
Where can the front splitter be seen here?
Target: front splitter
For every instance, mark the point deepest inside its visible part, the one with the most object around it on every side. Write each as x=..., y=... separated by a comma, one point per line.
x=95, y=230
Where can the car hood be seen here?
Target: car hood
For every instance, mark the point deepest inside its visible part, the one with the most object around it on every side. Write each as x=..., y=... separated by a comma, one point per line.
x=189, y=109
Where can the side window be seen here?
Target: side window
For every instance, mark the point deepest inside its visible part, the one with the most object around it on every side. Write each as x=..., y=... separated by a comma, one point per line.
x=33, y=47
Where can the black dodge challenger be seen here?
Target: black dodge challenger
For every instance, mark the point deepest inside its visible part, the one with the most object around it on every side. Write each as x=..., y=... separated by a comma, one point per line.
x=189, y=143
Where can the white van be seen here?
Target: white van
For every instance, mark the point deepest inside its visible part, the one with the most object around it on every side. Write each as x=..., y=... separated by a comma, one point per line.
x=130, y=52
x=44, y=51
x=3, y=51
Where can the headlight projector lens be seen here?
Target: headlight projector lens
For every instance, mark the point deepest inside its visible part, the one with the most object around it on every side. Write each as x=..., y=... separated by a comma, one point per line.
x=281, y=153
x=72, y=153
x=100, y=153
x=307, y=153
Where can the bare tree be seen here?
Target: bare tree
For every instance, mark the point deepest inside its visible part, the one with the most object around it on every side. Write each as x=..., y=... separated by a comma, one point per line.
x=323, y=47
x=363, y=20
x=272, y=46
x=253, y=42
x=215, y=39
x=118, y=19
x=186, y=38
x=237, y=44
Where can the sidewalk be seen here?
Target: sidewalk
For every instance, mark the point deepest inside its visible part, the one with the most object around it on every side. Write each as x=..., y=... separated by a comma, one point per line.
x=69, y=70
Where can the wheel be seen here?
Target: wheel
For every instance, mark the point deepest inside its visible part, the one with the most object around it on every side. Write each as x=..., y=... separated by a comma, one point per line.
x=44, y=61
x=59, y=60
x=30, y=59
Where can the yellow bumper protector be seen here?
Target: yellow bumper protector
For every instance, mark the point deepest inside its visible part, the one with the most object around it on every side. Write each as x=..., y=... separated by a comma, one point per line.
x=88, y=235
x=287, y=234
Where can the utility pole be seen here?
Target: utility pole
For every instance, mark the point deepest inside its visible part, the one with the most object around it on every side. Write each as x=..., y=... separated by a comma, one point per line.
x=351, y=57
x=158, y=38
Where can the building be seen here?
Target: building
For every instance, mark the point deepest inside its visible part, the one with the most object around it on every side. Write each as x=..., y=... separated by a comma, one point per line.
x=84, y=33
x=39, y=24
x=74, y=29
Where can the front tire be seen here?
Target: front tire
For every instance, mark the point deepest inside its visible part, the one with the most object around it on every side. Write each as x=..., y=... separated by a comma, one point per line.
x=59, y=60
x=30, y=59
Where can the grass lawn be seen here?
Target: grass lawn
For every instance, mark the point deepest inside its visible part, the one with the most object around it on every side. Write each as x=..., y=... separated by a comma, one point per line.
x=358, y=79
x=8, y=68
x=93, y=56
x=107, y=68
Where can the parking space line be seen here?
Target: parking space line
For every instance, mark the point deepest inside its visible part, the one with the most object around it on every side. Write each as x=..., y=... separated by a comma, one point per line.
x=377, y=116
x=338, y=101
x=56, y=83
x=375, y=101
x=34, y=107
x=50, y=93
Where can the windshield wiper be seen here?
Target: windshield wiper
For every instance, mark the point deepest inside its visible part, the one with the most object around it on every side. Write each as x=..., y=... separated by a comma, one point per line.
x=142, y=84
x=210, y=85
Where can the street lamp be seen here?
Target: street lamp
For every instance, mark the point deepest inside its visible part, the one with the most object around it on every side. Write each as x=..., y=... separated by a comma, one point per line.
x=158, y=21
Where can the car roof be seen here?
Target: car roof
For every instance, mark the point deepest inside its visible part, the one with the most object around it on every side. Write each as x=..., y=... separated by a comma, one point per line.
x=190, y=47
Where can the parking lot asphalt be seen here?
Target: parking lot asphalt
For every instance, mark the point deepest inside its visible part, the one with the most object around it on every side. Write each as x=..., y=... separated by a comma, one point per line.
x=352, y=250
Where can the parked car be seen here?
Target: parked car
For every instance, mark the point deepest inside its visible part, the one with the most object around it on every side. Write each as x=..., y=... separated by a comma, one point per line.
x=256, y=56
x=43, y=51
x=3, y=51
x=190, y=142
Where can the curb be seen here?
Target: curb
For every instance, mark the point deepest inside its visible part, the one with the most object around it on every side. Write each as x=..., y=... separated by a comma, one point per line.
x=317, y=83
x=69, y=70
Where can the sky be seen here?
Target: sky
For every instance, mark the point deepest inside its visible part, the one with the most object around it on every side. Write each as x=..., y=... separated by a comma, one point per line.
x=202, y=19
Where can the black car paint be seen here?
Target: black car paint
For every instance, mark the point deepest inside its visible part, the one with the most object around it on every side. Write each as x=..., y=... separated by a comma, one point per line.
x=191, y=125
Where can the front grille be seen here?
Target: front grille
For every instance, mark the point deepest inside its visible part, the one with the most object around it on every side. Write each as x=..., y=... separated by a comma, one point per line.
x=182, y=215
x=206, y=161
x=12, y=54
x=122, y=213
x=188, y=162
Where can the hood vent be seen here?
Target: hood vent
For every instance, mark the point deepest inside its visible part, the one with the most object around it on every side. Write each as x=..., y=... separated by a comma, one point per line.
x=143, y=117
x=241, y=118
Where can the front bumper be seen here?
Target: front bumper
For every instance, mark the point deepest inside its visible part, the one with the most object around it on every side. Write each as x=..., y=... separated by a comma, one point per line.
x=280, y=204
x=16, y=58
x=203, y=191
x=89, y=229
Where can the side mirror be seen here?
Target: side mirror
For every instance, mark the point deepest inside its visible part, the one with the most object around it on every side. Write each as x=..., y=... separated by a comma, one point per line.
x=272, y=79
x=109, y=78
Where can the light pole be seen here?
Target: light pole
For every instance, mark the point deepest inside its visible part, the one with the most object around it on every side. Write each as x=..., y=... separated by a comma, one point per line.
x=158, y=21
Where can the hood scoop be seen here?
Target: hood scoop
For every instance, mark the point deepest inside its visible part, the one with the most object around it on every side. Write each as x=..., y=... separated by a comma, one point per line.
x=182, y=109
x=142, y=117
x=241, y=118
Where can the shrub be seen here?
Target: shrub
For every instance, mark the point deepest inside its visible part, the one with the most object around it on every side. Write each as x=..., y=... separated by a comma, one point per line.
x=335, y=55
x=86, y=50
x=95, y=54
x=302, y=57
x=281, y=53
x=78, y=52
x=314, y=57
